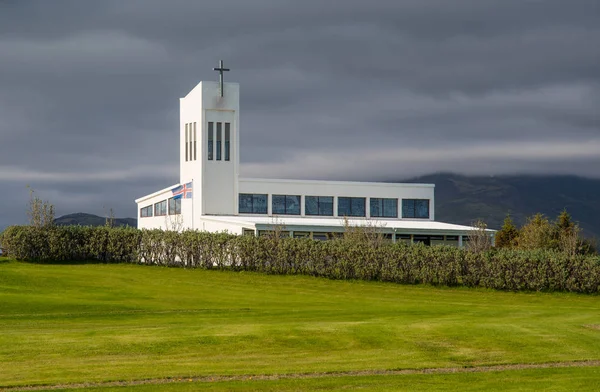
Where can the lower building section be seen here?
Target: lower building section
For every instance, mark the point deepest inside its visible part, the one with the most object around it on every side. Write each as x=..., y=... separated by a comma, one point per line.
x=411, y=232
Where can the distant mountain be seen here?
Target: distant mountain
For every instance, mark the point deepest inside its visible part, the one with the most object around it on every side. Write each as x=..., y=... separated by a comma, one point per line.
x=84, y=219
x=463, y=199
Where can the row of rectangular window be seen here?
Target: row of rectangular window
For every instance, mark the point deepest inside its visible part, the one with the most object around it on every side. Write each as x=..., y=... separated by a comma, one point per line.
x=190, y=142
x=226, y=151
x=323, y=206
x=160, y=208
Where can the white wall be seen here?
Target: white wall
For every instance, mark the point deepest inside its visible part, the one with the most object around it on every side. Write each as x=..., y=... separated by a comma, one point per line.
x=340, y=188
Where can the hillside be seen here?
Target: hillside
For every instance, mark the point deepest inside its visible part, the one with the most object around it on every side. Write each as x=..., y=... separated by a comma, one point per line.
x=84, y=219
x=463, y=199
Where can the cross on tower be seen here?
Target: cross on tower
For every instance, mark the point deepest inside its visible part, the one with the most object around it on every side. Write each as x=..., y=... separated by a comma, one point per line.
x=221, y=70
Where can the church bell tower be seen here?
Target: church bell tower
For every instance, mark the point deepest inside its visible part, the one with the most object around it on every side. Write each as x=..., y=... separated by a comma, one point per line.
x=209, y=145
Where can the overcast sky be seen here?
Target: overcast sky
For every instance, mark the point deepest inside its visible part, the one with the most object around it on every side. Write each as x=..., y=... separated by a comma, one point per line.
x=352, y=90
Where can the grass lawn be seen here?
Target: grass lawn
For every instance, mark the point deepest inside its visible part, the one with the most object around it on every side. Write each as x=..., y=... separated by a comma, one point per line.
x=95, y=323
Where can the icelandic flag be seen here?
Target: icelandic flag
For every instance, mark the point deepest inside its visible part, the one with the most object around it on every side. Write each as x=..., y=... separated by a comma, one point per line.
x=184, y=191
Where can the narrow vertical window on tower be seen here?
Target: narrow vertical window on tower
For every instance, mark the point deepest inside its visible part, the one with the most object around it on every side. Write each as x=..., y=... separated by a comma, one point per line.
x=186, y=142
x=194, y=141
x=210, y=140
x=219, y=131
x=227, y=140
x=191, y=143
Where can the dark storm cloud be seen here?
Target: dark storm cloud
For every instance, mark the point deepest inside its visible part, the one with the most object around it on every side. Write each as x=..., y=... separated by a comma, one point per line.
x=351, y=90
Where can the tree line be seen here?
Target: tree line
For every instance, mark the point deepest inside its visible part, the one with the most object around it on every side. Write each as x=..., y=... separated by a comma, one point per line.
x=561, y=235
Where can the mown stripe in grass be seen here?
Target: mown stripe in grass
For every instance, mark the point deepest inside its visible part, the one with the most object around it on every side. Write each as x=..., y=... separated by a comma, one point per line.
x=121, y=312
x=262, y=377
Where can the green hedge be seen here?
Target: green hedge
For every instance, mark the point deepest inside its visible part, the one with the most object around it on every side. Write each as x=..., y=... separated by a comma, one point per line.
x=503, y=269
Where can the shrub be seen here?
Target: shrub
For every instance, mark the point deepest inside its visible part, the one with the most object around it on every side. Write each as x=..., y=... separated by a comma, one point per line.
x=507, y=236
x=341, y=258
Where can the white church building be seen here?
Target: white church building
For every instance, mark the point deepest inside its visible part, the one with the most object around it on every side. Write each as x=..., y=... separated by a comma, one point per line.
x=211, y=196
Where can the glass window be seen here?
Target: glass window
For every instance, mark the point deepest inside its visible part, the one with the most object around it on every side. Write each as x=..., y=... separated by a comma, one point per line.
x=343, y=206
x=390, y=208
x=311, y=205
x=146, y=212
x=421, y=208
x=186, y=142
x=386, y=208
x=227, y=140
x=408, y=208
x=422, y=239
x=219, y=135
x=252, y=203
x=292, y=205
x=351, y=206
x=260, y=204
x=415, y=208
x=245, y=203
x=358, y=206
x=210, y=140
x=194, y=141
x=160, y=208
x=286, y=205
x=278, y=204
x=320, y=236
x=318, y=205
x=190, y=145
x=175, y=206
x=326, y=205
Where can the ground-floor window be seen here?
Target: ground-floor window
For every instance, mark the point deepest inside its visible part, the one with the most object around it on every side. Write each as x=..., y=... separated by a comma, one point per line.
x=175, y=206
x=301, y=234
x=321, y=236
x=273, y=233
x=146, y=212
x=160, y=208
